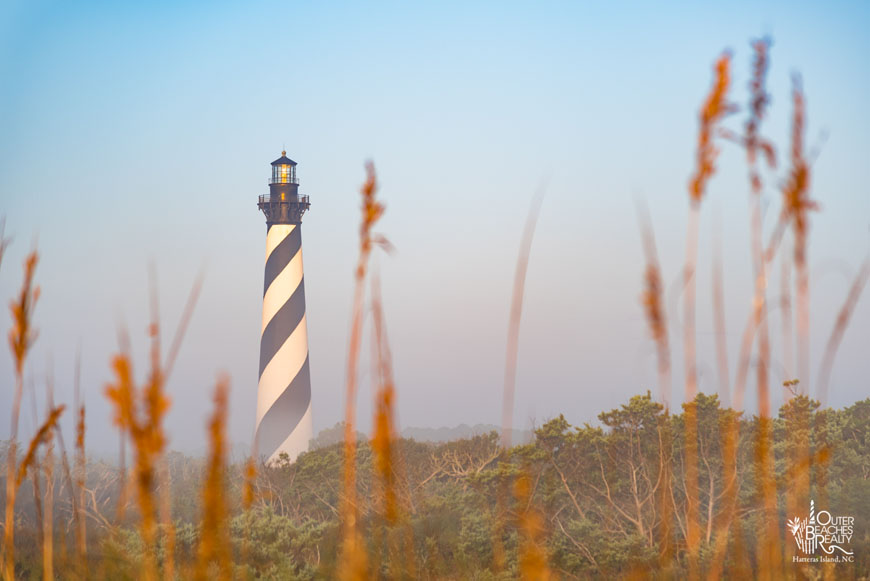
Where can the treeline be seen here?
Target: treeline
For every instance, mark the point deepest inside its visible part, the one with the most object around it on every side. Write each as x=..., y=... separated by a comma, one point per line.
x=607, y=500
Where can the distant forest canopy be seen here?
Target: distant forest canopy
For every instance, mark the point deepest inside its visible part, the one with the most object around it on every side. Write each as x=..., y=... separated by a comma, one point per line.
x=594, y=489
x=335, y=434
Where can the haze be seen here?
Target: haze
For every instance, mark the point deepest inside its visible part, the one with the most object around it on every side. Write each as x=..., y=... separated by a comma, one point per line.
x=136, y=134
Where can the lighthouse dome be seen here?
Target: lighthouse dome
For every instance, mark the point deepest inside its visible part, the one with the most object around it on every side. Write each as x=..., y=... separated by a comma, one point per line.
x=283, y=160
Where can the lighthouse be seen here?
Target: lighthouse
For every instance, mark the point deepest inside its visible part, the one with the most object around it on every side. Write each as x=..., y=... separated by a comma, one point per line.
x=284, y=390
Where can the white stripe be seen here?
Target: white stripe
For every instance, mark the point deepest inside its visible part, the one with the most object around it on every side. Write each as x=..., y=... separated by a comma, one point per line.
x=282, y=368
x=297, y=441
x=276, y=235
x=282, y=288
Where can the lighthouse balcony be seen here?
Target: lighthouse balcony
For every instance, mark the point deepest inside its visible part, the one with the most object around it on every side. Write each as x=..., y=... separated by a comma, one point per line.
x=269, y=198
x=283, y=208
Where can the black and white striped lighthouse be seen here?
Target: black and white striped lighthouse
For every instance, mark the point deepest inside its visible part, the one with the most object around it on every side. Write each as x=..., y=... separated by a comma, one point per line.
x=284, y=392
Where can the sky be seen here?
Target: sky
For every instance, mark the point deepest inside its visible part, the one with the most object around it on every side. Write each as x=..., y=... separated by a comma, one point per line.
x=139, y=134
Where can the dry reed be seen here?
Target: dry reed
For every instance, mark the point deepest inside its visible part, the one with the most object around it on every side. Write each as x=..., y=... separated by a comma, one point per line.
x=384, y=432
x=786, y=317
x=512, y=349
x=719, y=326
x=354, y=563
x=214, y=545
x=162, y=477
x=43, y=437
x=754, y=142
x=80, y=469
x=47, y=466
x=22, y=335
x=139, y=414
x=533, y=558
x=839, y=329
x=165, y=490
x=770, y=560
x=510, y=371
x=4, y=242
x=653, y=304
x=715, y=108
x=48, y=523
x=387, y=459
x=67, y=474
x=21, y=338
x=796, y=207
x=37, y=481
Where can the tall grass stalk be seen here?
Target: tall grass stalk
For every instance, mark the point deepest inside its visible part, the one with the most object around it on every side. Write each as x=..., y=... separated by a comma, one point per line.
x=387, y=459
x=139, y=415
x=144, y=428
x=785, y=308
x=384, y=432
x=715, y=108
x=513, y=339
x=840, y=325
x=796, y=207
x=653, y=303
x=21, y=338
x=78, y=490
x=47, y=466
x=754, y=144
x=48, y=524
x=533, y=558
x=719, y=326
x=4, y=242
x=510, y=372
x=30, y=462
x=163, y=480
x=214, y=545
x=354, y=563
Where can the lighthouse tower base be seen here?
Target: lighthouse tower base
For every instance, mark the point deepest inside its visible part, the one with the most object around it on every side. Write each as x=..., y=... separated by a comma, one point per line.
x=297, y=442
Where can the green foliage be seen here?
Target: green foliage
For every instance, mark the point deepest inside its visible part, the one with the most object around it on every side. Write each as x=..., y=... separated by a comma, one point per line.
x=597, y=487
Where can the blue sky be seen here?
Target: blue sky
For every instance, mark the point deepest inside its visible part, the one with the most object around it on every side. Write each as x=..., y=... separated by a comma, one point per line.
x=141, y=133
